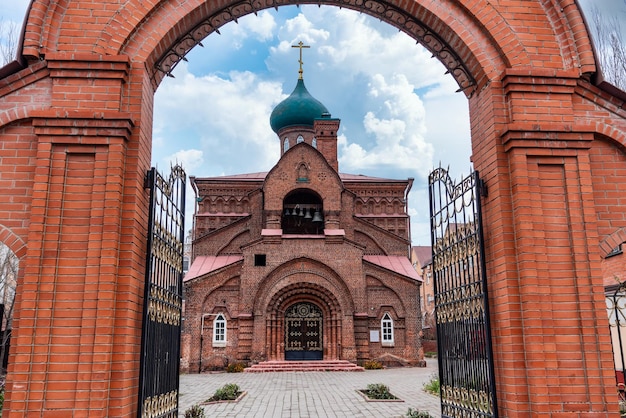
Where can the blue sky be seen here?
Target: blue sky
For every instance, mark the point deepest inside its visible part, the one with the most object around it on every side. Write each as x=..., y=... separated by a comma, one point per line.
x=400, y=115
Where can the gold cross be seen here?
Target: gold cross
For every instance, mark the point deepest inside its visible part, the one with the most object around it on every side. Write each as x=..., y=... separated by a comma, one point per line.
x=300, y=45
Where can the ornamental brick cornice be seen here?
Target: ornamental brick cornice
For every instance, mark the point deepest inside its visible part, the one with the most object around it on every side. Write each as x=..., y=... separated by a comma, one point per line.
x=83, y=126
x=539, y=80
x=552, y=137
x=82, y=65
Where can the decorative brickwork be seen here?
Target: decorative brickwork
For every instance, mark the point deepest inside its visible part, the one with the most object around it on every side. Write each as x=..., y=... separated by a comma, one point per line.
x=75, y=142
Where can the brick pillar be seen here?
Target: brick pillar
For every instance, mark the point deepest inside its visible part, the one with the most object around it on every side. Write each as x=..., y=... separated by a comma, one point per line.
x=549, y=322
x=76, y=343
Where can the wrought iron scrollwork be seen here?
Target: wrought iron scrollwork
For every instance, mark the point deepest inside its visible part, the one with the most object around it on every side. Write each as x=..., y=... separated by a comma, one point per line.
x=160, y=342
x=461, y=309
x=616, y=310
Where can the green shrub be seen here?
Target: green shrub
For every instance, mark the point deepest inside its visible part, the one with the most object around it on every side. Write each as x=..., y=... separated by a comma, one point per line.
x=372, y=365
x=235, y=368
x=228, y=392
x=430, y=354
x=433, y=385
x=416, y=413
x=378, y=391
x=195, y=411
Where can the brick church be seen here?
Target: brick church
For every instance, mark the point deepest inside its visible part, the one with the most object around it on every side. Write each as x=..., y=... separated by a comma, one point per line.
x=302, y=262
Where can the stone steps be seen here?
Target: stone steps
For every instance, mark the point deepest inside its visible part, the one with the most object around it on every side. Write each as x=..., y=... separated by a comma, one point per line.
x=304, y=366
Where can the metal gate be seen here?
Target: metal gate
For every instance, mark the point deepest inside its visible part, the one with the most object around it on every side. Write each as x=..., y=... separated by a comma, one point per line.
x=303, y=332
x=616, y=309
x=462, y=313
x=160, y=342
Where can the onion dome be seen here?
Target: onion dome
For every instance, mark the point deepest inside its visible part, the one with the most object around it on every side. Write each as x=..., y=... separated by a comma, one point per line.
x=300, y=108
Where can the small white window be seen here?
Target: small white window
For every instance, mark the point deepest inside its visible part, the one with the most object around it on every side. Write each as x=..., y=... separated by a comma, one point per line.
x=286, y=145
x=219, y=331
x=300, y=139
x=314, y=142
x=386, y=326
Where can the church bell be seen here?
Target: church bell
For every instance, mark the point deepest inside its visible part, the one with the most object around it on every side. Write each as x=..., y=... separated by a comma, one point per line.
x=317, y=216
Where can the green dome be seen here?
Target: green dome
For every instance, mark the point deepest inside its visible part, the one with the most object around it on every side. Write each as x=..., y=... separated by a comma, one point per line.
x=300, y=108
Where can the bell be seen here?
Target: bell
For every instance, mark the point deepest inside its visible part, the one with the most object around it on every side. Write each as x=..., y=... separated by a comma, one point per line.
x=317, y=217
x=301, y=211
x=308, y=214
x=287, y=213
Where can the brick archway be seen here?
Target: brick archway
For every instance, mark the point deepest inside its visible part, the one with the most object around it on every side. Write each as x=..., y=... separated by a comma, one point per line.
x=528, y=70
x=307, y=293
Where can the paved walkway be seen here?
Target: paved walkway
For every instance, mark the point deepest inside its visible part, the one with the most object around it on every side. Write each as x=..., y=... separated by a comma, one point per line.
x=312, y=394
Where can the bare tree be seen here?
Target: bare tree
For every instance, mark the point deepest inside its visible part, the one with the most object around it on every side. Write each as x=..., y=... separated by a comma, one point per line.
x=8, y=41
x=8, y=279
x=610, y=46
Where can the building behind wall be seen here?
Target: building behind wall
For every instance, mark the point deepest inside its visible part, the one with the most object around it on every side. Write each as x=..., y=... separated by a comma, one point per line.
x=302, y=262
x=422, y=260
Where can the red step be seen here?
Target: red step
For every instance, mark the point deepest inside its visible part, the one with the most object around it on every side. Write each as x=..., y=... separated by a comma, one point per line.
x=304, y=366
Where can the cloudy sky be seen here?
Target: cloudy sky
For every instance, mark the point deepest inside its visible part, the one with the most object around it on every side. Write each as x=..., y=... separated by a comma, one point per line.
x=400, y=115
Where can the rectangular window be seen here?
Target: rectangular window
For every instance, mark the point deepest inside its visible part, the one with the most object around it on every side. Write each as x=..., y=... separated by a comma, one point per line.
x=220, y=335
x=259, y=260
x=387, y=334
x=386, y=327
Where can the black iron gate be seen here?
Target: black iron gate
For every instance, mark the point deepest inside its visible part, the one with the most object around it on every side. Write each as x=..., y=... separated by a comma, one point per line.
x=160, y=343
x=616, y=309
x=463, y=333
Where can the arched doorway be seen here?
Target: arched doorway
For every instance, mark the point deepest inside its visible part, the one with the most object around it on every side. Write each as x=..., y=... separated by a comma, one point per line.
x=304, y=332
x=287, y=306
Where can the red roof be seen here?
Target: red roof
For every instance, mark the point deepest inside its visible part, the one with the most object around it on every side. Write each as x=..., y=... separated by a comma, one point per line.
x=206, y=264
x=395, y=263
x=260, y=176
x=423, y=254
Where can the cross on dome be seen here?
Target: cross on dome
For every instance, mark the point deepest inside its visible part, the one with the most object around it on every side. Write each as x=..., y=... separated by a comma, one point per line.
x=300, y=45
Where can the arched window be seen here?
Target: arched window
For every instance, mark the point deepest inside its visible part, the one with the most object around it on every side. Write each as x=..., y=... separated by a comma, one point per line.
x=286, y=145
x=386, y=327
x=300, y=139
x=314, y=143
x=219, y=331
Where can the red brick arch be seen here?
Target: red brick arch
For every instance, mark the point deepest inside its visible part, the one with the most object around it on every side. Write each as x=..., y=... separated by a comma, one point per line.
x=77, y=106
x=14, y=242
x=335, y=341
x=161, y=33
x=284, y=274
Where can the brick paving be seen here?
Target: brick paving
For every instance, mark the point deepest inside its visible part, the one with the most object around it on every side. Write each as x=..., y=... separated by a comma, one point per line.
x=312, y=394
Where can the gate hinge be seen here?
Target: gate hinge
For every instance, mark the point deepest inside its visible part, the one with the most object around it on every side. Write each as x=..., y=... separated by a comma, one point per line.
x=482, y=186
x=148, y=179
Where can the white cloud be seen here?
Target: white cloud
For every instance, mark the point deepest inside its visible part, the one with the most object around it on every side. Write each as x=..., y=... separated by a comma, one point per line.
x=398, y=128
x=14, y=10
x=356, y=46
x=228, y=118
x=260, y=26
x=190, y=160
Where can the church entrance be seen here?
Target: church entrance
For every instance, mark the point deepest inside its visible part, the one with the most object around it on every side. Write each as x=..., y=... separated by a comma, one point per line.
x=303, y=332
